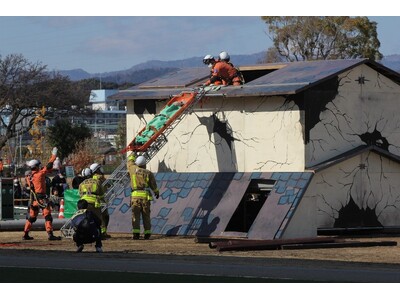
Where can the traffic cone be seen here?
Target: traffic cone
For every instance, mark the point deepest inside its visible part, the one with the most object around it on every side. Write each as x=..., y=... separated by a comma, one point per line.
x=61, y=211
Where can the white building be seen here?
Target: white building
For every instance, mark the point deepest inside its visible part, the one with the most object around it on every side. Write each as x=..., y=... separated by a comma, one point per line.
x=108, y=114
x=301, y=147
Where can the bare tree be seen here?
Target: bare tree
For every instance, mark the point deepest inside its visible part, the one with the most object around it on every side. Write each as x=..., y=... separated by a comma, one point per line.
x=25, y=89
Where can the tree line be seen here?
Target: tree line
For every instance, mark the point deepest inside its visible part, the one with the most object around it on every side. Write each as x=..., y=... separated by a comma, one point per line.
x=30, y=96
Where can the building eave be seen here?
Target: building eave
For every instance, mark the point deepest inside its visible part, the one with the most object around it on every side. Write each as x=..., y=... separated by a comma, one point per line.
x=352, y=153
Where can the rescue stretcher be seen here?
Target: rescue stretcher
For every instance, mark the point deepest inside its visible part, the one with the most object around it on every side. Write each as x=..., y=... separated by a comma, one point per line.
x=159, y=126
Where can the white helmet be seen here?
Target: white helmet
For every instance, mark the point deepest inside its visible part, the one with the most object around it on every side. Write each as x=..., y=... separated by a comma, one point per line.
x=86, y=172
x=140, y=161
x=224, y=56
x=208, y=59
x=33, y=163
x=95, y=167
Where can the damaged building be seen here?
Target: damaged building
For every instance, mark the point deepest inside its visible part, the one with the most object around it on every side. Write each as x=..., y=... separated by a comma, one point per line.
x=300, y=147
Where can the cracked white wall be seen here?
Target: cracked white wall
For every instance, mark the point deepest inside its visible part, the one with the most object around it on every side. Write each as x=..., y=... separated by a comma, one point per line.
x=254, y=134
x=369, y=179
x=356, y=110
x=364, y=112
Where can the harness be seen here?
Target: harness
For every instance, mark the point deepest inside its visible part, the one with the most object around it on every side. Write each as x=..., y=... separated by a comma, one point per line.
x=33, y=196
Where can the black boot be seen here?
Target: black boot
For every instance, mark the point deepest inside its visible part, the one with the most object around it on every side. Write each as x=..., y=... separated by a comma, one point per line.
x=26, y=237
x=53, y=237
x=105, y=236
x=136, y=236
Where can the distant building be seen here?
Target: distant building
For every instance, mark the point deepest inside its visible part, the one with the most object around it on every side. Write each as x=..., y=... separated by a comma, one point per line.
x=107, y=114
x=104, y=123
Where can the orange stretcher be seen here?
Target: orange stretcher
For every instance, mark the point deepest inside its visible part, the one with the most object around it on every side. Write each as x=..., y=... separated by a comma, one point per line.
x=163, y=122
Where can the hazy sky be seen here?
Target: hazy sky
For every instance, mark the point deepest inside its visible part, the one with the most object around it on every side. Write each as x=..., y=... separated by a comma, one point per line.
x=79, y=37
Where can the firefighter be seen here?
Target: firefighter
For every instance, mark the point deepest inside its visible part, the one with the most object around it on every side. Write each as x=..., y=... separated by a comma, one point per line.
x=142, y=181
x=210, y=61
x=38, y=196
x=238, y=77
x=87, y=227
x=91, y=190
x=98, y=173
x=1, y=168
x=225, y=71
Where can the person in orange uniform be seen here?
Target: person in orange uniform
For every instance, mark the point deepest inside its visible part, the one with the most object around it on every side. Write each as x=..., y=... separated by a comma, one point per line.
x=225, y=71
x=38, y=197
x=237, y=77
x=1, y=168
x=210, y=61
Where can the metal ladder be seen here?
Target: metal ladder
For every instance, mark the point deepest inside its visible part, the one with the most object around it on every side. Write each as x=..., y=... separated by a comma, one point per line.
x=119, y=178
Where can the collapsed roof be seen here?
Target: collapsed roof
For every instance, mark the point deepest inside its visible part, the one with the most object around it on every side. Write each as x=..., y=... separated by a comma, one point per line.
x=261, y=80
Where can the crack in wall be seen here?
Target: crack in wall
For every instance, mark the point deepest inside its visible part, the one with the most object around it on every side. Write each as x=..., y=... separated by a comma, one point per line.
x=317, y=100
x=222, y=128
x=365, y=195
x=346, y=125
x=275, y=163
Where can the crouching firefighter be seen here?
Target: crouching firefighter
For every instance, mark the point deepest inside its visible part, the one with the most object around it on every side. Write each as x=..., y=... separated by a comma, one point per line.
x=87, y=227
x=142, y=181
x=38, y=197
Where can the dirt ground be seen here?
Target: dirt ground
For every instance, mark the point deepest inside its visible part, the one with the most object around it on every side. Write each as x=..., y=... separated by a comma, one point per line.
x=123, y=243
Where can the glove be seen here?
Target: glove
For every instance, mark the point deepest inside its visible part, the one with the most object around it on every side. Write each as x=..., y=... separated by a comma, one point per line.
x=54, y=151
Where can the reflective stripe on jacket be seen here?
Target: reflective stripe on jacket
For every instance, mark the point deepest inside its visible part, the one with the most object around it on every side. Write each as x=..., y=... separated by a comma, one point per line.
x=142, y=181
x=92, y=191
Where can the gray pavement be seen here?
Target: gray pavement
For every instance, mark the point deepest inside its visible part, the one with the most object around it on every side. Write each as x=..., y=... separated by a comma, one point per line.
x=295, y=270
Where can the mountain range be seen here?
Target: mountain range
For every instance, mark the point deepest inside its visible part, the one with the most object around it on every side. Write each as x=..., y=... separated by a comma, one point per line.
x=154, y=68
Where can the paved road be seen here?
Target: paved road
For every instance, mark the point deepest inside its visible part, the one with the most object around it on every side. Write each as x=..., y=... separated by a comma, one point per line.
x=289, y=270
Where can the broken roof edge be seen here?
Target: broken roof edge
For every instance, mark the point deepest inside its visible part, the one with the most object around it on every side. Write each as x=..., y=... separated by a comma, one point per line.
x=380, y=68
x=147, y=94
x=249, y=89
x=225, y=91
x=352, y=153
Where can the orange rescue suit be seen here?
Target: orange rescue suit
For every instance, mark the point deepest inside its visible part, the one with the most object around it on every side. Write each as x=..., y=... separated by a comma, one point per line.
x=37, y=183
x=38, y=177
x=226, y=72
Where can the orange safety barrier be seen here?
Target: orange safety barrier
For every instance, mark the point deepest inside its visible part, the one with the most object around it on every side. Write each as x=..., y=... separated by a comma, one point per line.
x=61, y=212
